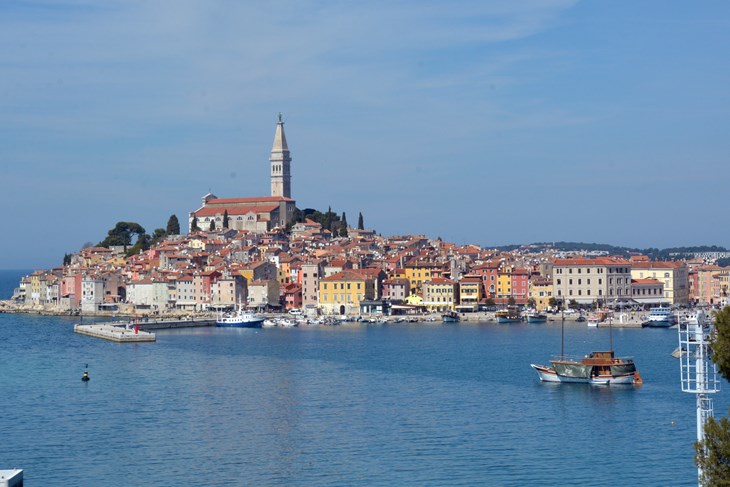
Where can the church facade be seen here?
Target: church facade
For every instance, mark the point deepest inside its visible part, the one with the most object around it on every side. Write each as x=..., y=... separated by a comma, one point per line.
x=257, y=214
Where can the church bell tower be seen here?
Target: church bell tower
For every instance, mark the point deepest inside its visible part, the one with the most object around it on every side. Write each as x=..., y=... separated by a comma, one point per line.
x=280, y=163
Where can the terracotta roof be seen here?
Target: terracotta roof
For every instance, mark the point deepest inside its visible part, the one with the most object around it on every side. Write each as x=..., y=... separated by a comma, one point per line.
x=656, y=265
x=235, y=210
x=602, y=261
x=645, y=281
x=243, y=201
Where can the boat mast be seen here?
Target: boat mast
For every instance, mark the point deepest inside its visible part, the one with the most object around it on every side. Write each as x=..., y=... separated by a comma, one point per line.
x=562, y=330
x=699, y=373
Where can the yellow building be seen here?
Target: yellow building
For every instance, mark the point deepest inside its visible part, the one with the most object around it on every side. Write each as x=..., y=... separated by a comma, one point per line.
x=439, y=294
x=541, y=290
x=504, y=284
x=341, y=293
x=470, y=292
x=674, y=276
x=418, y=273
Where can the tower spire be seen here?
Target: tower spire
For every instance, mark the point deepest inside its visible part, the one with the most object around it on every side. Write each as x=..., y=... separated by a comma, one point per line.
x=280, y=163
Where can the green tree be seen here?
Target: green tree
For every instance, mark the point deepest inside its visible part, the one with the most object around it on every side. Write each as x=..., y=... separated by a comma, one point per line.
x=212, y=225
x=531, y=302
x=67, y=259
x=122, y=234
x=713, y=454
x=225, y=219
x=143, y=243
x=343, y=220
x=360, y=222
x=552, y=302
x=158, y=236
x=194, y=224
x=173, y=226
x=511, y=301
x=489, y=302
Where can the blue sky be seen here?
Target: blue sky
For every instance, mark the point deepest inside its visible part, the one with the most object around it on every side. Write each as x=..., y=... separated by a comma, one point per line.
x=488, y=122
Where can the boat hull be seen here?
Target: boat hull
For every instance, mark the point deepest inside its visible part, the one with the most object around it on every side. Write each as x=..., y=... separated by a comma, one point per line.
x=549, y=374
x=657, y=324
x=505, y=320
x=241, y=324
x=537, y=319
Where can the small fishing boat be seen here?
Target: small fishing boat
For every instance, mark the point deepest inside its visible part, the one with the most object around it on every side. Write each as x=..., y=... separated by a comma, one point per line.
x=511, y=314
x=450, y=317
x=536, y=317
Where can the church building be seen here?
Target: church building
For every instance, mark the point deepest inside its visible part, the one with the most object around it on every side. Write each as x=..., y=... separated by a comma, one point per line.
x=257, y=214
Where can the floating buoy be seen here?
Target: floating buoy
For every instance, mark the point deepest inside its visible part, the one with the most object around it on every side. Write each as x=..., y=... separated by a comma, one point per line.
x=85, y=377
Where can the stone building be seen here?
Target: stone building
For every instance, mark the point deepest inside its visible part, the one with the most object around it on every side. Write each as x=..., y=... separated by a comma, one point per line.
x=254, y=214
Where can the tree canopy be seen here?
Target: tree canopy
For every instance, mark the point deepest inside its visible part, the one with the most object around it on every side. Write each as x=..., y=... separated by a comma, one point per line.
x=173, y=226
x=122, y=234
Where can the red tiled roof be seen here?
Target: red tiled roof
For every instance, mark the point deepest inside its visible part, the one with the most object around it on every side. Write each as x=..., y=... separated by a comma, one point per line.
x=235, y=210
x=587, y=262
x=656, y=265
x=243, y=201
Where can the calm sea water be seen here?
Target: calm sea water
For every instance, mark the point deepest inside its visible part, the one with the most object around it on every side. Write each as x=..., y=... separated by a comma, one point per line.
x=417, y=404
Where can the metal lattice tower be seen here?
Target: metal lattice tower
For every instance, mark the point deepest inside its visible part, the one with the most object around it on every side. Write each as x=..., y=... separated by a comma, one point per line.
x=699, y=373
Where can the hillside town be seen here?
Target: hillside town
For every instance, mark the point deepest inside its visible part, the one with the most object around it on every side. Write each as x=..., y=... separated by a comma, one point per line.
x=361, y=274
x=250, y=252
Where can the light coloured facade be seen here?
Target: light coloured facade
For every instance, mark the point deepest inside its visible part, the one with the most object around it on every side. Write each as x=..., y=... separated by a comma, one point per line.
x=674, y=276
x=440, y=295
x=229, y=291
x=603, y=279
x=92, y=294
x=311, y=274
x=280, y=160
x=263, y=294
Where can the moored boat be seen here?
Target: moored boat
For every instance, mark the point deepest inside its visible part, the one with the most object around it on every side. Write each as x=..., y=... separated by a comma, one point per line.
x=511, y=314
x=597, y=368
x=240, y=319
x=536, y=317
x=450, y=317
x=660, y=317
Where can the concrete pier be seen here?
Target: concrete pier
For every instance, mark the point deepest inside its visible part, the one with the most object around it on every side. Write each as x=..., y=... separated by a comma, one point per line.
x=11, y=478
x=114, y=333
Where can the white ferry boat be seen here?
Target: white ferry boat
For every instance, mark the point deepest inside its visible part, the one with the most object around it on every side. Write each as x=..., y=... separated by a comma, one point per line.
x=660, y=317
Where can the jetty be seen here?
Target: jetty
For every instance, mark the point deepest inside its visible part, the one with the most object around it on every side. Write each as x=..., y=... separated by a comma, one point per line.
x=114, y=333
x=136, y=332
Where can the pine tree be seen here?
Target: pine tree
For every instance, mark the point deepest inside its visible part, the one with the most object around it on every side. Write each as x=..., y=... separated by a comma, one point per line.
x=194, y=224
x=212, y=225
x=344, y=220
x=173, y=226
x=225, y=219
x=360, y=222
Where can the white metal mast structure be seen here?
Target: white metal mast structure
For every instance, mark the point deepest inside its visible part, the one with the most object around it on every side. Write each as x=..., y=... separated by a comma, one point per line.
x=699, y=373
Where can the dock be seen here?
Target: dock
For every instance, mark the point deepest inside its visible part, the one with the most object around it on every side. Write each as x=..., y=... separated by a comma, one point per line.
x=114, y=333
x=124, y=331
x=11, y=478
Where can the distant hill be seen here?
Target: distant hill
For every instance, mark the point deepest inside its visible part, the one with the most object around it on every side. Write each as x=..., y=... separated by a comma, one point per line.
x=652, y=253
